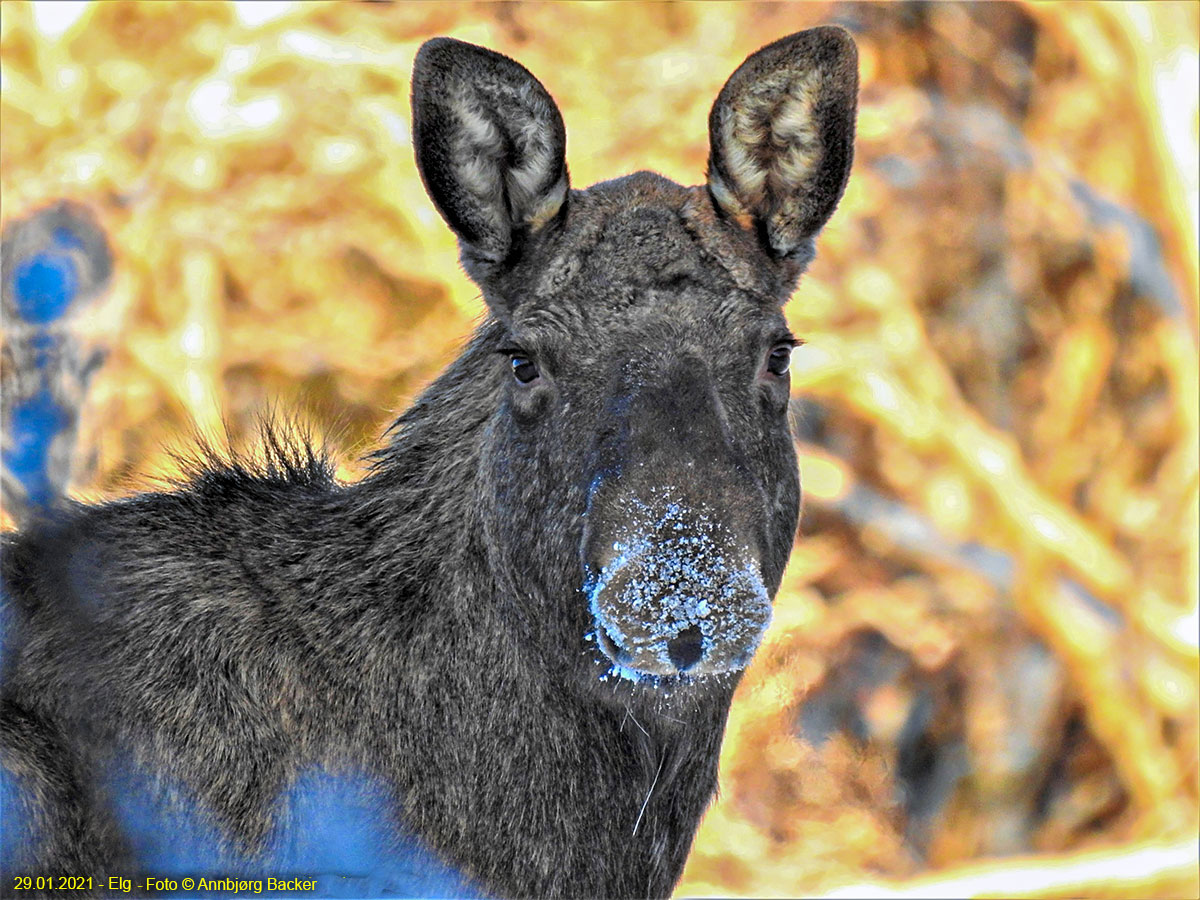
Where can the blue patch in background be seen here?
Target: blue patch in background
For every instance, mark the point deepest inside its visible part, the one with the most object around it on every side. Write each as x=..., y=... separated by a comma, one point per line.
x=45, y=285
x=67, y=239
x=46, y=282
x=35, y=423
x=57, y=259
x=338, y=830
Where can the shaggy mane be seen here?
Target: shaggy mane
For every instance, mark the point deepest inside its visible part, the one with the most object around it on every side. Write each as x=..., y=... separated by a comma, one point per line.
x=284, y=453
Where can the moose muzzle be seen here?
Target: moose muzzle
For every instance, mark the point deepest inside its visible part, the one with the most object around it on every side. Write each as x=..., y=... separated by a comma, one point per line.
x=677, y=594
x=673, y=574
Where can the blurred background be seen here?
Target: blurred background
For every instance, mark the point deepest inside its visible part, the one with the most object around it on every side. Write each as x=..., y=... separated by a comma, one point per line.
x=982, y=678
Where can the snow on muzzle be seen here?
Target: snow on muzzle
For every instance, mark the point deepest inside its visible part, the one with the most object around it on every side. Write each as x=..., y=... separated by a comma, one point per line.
x=675, y=593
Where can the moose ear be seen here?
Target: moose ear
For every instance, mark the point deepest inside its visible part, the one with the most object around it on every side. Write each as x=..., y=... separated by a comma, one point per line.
x=491, y=146
x=781, y=137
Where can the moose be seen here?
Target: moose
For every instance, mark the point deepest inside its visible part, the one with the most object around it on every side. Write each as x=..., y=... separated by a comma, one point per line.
x=501, y=663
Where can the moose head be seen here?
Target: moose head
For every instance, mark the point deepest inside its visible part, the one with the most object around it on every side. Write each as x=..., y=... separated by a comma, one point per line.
x=639, y=446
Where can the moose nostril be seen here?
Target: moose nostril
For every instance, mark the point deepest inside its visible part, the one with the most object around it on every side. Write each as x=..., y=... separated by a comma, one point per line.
x=686, y=648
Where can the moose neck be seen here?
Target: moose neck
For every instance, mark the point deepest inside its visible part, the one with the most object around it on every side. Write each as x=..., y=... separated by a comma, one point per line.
x=514, y=749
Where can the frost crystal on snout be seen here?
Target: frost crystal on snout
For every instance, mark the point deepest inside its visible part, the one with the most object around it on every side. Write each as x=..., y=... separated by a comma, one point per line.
x=676, y=571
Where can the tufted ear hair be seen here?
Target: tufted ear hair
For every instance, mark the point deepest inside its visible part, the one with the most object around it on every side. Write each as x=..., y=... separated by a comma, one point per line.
x=781, y=137
x=491, y=146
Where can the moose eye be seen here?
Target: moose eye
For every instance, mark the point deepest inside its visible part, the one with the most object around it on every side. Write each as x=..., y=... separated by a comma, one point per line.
x=780, y=359
x=524, y=369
